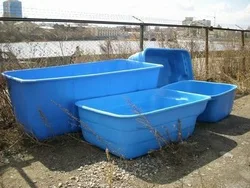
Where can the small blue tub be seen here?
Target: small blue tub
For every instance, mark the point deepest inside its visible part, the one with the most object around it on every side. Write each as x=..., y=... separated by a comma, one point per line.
x=222, y=97
x=132, y=124
x=32, y=91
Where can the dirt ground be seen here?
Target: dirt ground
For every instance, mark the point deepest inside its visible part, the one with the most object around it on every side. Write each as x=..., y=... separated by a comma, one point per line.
x=217, y=155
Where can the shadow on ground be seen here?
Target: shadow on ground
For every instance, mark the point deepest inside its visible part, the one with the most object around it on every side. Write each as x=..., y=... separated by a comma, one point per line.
x=66, y=154
x=177, y=161
x=232, y=125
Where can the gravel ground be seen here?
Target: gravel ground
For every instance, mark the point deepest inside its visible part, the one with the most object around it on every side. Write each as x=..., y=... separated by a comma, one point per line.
x=217, y=155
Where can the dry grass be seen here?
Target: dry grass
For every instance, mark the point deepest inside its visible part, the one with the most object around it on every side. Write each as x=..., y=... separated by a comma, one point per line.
x=109, y=170
x=8, y=135
x=226, y=66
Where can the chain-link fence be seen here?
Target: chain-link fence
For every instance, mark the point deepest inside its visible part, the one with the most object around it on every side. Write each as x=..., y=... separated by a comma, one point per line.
x=217, y=53
x=44, y=44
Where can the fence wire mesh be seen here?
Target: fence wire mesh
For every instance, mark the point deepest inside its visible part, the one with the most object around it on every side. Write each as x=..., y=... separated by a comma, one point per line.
x=28, y=44
x=45, y=44
x=229, y=59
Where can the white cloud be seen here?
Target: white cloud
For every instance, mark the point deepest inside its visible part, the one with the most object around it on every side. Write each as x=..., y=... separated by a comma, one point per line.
x=187, y=5
x=222, y=6
x=240, y=17
x=248, y=9
x=225, y=14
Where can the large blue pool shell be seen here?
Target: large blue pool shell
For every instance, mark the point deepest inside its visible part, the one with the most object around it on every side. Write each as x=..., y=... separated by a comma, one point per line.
x=177, y=63
x=33, y=90
x=222, y=97
x=132, y=124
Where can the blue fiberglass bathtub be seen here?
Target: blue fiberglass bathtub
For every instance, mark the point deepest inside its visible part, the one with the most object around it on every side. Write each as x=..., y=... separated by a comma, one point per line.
x=40, y=96
x=222, y=97
x=132, y=124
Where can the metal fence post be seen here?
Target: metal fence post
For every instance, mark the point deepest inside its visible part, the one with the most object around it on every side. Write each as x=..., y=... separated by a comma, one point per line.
x=243, y=51
x=243, y=38
x=141, y=36
x=206, y=53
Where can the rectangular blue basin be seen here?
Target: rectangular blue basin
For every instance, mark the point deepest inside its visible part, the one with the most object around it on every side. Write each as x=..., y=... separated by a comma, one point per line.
x=222, y=97
x=34, y=92
x=132, y=124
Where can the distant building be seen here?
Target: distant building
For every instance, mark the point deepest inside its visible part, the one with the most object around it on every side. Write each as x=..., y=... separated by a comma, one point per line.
x=12, y=8
x=188, y=21
x=105, y=32
x=163, y=34
x=191, y=21
x=204, y=22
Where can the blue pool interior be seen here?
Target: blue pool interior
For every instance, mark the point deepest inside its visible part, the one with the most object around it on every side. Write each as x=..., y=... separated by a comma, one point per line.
x=82, y=69
x=142, y=102
x=201, y=87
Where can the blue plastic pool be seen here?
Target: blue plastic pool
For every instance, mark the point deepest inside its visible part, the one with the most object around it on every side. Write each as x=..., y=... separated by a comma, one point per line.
x=132, y=124
x=32, y=91
x=222, y=97
x=177, y=63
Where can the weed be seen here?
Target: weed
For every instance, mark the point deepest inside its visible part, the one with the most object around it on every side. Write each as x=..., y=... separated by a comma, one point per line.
x=143, y=120
x=161, y=140
x=179, y=130
x=109, y=170
x=45, y=121
x=85, y=127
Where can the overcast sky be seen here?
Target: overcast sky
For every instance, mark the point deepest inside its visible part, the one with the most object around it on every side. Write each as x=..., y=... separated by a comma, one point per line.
x=226, y=11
